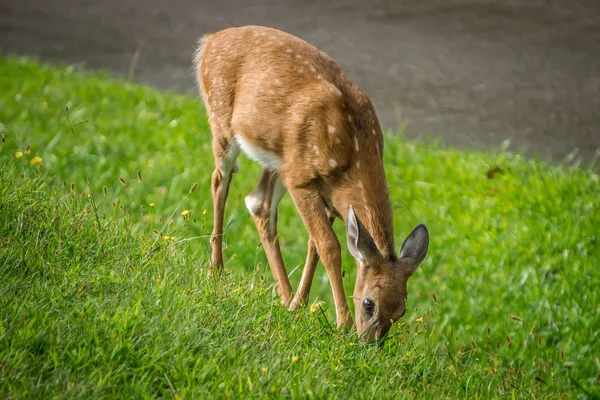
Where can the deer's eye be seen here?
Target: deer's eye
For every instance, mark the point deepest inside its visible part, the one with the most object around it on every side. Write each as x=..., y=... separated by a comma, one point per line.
x=368, y=306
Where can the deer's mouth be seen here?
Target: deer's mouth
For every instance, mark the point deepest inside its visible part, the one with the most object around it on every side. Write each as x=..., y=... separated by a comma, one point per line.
x=375, y=333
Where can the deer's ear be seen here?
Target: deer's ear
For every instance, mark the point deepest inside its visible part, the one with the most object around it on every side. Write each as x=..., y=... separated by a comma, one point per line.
x=415, y=246
x=360, y=243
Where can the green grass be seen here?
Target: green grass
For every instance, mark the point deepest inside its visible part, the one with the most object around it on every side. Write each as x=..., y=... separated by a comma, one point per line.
x=103, y=296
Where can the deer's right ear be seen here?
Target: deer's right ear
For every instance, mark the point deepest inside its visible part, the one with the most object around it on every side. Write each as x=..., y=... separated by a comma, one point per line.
x=416, y=244
x=360, y=243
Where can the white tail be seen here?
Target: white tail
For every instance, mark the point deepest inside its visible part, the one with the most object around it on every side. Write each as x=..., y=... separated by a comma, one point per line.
x=289, y=106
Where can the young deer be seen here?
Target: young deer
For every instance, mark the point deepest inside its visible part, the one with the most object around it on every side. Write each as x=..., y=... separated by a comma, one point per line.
x=289, y=107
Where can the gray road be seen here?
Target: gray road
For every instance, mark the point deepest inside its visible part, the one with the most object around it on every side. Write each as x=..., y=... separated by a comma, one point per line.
x=476, y=72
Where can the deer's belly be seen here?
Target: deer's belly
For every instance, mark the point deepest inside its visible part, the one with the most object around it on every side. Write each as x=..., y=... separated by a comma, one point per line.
x=266, y=158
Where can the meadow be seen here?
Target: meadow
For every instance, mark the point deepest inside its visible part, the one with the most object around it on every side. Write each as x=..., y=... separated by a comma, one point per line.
x=105, y=216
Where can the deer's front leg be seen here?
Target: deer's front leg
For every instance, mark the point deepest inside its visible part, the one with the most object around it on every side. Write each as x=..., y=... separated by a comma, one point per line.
x=315, y=218
x=308, y=273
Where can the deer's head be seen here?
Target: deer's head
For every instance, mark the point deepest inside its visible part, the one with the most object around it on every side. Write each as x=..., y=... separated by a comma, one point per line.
x=380, y=291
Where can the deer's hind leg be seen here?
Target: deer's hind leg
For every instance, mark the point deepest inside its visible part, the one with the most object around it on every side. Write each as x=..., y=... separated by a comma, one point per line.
x=225, y=153
x=262, y=204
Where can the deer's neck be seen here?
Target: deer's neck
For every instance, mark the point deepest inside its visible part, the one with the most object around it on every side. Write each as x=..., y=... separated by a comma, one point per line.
x=369, y=196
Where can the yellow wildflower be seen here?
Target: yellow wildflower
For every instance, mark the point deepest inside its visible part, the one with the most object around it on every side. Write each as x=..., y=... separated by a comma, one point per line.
x=36, y=160
x=295, y=358
x=263, y=369
x=151, y=205
x=314, y=307
x=18, y=154
x=420, y=320
x=186, y=213
x=28, y=149
x=166, y=238
x=204, y=212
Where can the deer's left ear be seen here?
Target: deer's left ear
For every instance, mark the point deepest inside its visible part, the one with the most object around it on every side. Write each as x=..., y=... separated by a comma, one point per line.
x=415, y=246
x=360, y=243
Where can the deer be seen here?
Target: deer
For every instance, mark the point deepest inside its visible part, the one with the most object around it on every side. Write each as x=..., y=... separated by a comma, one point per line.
x=289, y=106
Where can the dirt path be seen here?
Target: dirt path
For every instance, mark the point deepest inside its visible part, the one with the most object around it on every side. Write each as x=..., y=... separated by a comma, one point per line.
x=476, y=72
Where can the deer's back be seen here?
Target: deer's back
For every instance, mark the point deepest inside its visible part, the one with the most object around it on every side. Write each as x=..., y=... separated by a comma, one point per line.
x=283, y=95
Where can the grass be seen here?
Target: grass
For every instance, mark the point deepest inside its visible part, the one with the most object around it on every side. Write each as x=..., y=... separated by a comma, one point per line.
x=105, y=292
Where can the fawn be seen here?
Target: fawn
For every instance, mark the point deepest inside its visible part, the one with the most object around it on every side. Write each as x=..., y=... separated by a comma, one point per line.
x=290, y=107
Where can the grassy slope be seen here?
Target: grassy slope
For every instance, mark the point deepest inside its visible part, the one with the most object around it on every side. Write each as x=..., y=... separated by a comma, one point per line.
x=507, y=294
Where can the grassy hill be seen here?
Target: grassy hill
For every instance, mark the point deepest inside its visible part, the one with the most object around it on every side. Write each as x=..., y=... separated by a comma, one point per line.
x=105, y=291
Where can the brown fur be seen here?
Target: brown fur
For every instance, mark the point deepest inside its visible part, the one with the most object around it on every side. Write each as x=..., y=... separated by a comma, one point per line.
x=285, y=97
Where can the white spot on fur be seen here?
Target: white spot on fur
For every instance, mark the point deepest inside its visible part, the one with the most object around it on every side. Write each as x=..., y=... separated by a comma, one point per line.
x=356, y=142
x=331, y=129
x=373, y=131
x=298, y=56
x=267, y=159
x=278, y=83
x=338, y=140
x=289, y=51
x=313, y=69
x=349, y=118
x=357, y=164
x=316, y=149
x=319, y=77
x=332, y=163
